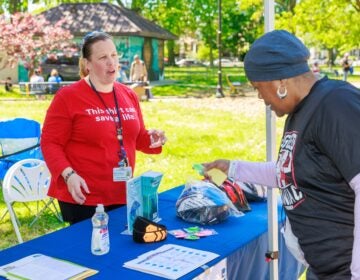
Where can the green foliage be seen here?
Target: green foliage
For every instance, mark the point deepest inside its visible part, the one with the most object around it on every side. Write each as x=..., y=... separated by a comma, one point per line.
x=238, y=29
x=172, y=15
x=205, y=13
x=203, y=53
x=325, y=24
x=13, y=6
x=198, y=130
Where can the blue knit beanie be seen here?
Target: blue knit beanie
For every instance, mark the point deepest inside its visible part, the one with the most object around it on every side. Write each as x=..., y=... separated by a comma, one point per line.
x=276, y=55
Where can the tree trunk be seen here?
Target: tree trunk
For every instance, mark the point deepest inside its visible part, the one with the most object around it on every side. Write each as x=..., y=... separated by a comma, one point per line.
x=211, y=56
x=171, y=53
x=332, y=57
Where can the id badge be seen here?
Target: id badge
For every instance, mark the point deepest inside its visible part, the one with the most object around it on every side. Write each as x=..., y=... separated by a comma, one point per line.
x=121, y=174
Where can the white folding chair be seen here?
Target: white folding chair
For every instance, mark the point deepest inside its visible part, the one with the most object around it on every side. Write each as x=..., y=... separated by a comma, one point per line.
x=28, y=180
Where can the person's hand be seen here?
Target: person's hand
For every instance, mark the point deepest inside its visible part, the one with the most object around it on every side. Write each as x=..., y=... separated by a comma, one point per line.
x=75, y=184
x=221, y=164
x=157, y=138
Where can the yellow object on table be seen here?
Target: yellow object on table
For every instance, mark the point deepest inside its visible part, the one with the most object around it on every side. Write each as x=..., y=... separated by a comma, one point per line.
x=217, y=176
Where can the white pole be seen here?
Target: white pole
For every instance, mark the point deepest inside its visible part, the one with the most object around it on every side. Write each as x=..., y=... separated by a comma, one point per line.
x=270, y=156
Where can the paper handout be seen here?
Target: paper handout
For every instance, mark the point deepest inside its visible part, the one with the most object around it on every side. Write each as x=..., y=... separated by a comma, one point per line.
x=171, y=261
x=38, y=266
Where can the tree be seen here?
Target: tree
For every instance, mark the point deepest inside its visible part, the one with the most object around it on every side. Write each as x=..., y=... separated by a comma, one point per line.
x=239, y=28
x=172, y=15
x=205, y=13
x=13, y=6
x=138, y=5
x=27, y=38
x=326, y=24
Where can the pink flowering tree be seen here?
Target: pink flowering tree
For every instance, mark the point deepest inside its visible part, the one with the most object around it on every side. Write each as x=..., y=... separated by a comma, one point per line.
x=25, y=37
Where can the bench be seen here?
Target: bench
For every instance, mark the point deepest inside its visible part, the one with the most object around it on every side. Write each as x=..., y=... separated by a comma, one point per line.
x=236, y=86
x=41, y=88
x=142, y=89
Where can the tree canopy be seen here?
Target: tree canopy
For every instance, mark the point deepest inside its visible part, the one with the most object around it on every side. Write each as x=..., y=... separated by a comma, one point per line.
x=328, y=24
x=26, y=37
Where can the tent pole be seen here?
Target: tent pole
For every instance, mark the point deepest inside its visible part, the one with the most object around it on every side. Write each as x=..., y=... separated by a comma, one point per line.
x=219, y=88
x=270, y=156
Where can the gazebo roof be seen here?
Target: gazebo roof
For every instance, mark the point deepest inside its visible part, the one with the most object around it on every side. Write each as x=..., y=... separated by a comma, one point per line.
x=115, y=20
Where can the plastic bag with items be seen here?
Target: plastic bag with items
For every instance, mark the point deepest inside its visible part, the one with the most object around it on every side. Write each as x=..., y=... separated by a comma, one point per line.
x=253, y=192
x=236, y=194
x=203, y=203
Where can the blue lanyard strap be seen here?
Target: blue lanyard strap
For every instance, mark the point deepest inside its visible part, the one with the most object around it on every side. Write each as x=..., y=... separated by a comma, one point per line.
x=118, y=125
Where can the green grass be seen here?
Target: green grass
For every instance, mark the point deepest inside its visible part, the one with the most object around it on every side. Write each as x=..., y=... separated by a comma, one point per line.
x=198, y=130
x=196, y=81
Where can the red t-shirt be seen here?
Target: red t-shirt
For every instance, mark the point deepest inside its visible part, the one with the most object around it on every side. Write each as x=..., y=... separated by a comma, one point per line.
x=80, y=132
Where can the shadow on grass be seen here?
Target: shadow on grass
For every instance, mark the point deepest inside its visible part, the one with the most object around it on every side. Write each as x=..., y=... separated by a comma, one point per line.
x=46, y=223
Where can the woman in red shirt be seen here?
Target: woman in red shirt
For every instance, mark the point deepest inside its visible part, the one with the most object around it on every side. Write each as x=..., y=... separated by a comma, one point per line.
x=91, y=133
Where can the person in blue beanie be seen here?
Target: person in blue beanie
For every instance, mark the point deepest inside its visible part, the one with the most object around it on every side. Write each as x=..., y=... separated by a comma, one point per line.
x=318, y=164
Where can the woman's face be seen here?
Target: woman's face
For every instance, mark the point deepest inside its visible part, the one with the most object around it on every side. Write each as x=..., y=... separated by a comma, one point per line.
x=103, y=62
x=267, y=92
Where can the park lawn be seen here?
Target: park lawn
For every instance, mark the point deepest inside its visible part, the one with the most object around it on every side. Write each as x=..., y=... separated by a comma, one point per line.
x=198, y=130
x=197, y=81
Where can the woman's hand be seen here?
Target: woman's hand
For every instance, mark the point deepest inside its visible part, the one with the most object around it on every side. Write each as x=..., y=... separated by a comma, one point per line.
x=157, y=138
x=221, y=164
x=74, y=184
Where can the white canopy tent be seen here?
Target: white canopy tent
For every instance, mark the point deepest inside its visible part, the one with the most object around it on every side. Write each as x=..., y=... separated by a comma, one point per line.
x=270, y=156
x=273, y=244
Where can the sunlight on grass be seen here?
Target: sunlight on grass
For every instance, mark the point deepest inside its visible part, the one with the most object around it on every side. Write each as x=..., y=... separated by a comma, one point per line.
x=198, y=130
x=45, y=224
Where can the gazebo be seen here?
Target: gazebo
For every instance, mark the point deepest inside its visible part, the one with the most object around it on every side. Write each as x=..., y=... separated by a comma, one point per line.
x=132, y=33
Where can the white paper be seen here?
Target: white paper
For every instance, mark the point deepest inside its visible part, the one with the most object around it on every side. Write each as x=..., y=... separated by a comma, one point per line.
x=39, y=266
x=170, y=261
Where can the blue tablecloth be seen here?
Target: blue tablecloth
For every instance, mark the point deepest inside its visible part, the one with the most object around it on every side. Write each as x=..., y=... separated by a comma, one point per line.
x=243, y=241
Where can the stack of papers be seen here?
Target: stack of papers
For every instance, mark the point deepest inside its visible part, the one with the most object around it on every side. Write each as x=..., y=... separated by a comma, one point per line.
x=39, y=266
x=170, y=261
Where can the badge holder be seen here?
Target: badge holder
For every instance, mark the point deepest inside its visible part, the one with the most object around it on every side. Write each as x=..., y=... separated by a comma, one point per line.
x=122, y=173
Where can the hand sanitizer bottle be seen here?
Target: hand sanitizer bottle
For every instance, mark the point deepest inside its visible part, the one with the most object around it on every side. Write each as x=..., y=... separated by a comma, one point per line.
x=100, y=243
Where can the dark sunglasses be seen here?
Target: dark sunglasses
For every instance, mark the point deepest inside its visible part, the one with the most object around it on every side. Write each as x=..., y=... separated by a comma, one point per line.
x=93, y=37
x=95, y=34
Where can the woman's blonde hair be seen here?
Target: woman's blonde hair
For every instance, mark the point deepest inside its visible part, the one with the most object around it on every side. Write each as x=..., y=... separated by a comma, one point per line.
x=83, y=72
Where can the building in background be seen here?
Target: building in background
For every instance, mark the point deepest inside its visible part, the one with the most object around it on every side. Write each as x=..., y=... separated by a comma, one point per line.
x=132, y=33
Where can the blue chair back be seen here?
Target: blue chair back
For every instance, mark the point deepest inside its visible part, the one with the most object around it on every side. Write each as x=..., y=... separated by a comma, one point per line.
x=19, y=139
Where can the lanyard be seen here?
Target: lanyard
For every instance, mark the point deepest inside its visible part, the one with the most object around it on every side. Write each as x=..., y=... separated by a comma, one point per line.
x=118, y=125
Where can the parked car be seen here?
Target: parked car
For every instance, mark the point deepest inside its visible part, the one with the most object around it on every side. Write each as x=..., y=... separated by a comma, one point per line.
x=225, y=62
x=66, y=65
x=356, y=63
x=187, y=62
